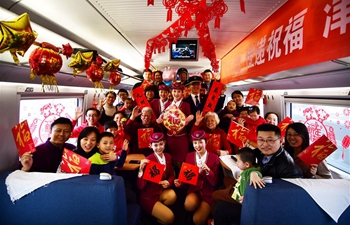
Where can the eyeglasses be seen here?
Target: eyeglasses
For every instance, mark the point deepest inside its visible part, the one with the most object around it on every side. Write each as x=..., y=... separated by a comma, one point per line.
x=91, y=115
x=293, y=135
x=268, y=141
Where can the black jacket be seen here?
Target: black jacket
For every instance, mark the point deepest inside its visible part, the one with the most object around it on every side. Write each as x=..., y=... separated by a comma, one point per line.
x=281, y=165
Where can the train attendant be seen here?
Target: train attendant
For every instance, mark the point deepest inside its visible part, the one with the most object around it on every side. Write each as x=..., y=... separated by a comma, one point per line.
x=91, y=115
x=178, y=144
x=198, y=199
x=158, y=105
x=297, y=140
x=218, y=141
x=155, y=198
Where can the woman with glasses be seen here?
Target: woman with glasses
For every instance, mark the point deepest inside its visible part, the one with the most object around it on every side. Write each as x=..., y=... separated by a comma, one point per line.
x=296, y=141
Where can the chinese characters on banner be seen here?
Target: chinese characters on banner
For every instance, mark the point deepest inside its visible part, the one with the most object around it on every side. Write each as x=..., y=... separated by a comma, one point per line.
x=317, y=152
x=23, y=138
x=153, y=172
x=237, y=134
x=253, y=96
x=189, y=173
x=141, y=100
x=74, y=163
x=143, y=136
x=174, y=120
x=213, y=97
x=283, y=125
x=213, y=142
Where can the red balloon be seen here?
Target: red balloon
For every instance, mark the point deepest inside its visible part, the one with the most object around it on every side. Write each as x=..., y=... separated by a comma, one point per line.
x=94, y=73
x=115, y=78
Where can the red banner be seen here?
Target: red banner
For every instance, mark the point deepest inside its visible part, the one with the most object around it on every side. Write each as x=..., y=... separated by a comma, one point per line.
x=189, y=173
x=318, y=151
x=74, y=163
x=253, y=96
x=141, y=100
x=213, y=97
x=143, y=136
x=213, y=142
x=287, y=39
x=153, y=172
x=283, y=125
x=23, y=138
x=237, y=134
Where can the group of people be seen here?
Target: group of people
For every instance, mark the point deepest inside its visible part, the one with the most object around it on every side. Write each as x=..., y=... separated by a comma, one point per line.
x=112, y=131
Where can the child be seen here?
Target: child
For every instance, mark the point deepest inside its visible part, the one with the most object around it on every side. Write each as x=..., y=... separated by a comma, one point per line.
x=246, y=162
x=156, y=198
x=253, y=121
x=105, y=160
x=128, y=106
x=119, y=136
x=227, y=114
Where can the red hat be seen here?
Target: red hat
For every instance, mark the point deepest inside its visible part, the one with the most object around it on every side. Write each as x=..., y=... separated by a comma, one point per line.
x=163, y=87
x=156, y=137
x=176, y=85
x=198, y=135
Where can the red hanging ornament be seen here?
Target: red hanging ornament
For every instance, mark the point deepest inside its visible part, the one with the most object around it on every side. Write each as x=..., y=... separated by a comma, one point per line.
x=150, y=2
x=345, y=143
x=95, y=75
x=44, y=62
x=242, y=5
x=114, y=79
x=169, y=4
x=219, y=8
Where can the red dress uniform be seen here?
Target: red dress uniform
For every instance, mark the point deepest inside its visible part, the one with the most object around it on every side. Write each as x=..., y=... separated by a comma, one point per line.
x=178, y=144
x=206, y=183
x=150, y=191
x=223, y=143
x=155, y=105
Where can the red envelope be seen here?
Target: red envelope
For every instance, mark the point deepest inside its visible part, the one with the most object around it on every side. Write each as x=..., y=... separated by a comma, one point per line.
x=318, y=151
x=283, y=125
x=74, y=163
x=253, y=96
x=153, y=172
x=237, y=134
x=23, y=138
x=189, y=173
x=143, y=136
x=213, y=142
x=213, y=97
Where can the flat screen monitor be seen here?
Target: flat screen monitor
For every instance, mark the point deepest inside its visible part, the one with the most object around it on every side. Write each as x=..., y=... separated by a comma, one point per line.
x=185, y=50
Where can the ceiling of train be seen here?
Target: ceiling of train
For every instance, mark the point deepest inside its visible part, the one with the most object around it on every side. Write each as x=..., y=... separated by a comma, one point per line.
x=121, y=28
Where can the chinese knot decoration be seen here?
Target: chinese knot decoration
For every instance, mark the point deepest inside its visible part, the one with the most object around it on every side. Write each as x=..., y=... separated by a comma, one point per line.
x=192, y=13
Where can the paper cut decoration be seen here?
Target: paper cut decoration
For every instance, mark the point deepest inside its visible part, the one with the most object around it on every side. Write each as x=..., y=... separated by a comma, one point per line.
x=253, y=96
x=174, y=120
x=144, y=135
x=74, y=163
x=23, y=138
x=213, y=97
x=237, y=134
x=213, y=142
x=189, y=173
x=283, y=125
x=318, y=151
x=153, y=172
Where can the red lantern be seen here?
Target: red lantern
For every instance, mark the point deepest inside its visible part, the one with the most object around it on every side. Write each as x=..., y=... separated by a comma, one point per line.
x=44, y=62
x=114, y=79
x=95, y=75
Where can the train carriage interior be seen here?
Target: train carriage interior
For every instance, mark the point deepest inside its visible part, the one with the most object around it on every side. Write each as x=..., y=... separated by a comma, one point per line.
x=315, y=92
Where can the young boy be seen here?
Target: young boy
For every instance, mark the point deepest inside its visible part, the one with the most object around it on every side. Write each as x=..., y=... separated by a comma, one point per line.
x=119, y=136
x=228, y=113
x=253, y=121
x=128, y=106
x=105, y=159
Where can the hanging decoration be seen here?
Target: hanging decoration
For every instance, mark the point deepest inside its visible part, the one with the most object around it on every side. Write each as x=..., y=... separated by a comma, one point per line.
x=44, y=62
x=95, y=73
x=194, y=13
x=82, y=60
x=112, y=67
x=16, y=36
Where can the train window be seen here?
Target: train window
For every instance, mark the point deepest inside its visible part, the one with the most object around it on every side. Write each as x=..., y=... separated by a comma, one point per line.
x=325, y=116
x=40, y=111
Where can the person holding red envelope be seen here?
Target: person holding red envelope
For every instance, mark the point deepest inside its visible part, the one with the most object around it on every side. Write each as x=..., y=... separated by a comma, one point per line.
x=296, y=141
x=156, y=197
x=198, y=199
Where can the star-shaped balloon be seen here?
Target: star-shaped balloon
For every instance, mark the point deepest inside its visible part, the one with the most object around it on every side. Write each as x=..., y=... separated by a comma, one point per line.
x=16, y=36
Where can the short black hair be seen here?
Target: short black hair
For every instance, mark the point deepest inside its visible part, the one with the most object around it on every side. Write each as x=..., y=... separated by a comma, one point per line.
x=84, y=133
x=236, y=92
x=110, y=124
x=207, y=71
x=111, y=92
x=62, y=120
x=268, y=113
x=269, y=127
x=247, y=155
x=93, y=109
x=120, y=112
x=254, y=109
x=123, y=90
x=147, y=70
x=105, y=134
